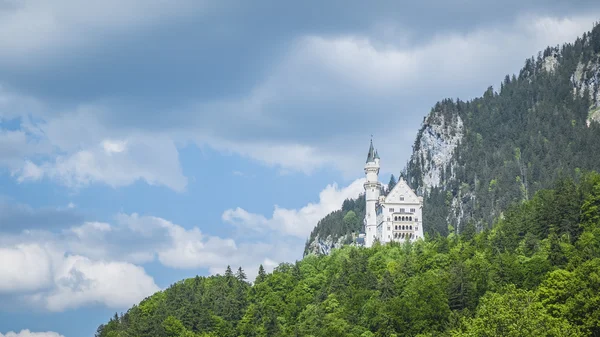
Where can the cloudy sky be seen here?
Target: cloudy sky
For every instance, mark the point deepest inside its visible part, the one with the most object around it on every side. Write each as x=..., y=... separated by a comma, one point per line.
x=142, y=142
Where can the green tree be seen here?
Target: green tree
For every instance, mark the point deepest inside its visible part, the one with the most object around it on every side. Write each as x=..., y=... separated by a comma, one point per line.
x=240, y=275
x=391, y=183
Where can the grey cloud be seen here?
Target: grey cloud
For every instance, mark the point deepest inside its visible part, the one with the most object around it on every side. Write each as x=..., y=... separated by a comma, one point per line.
x=16, y=217
x=223, y=54
x=244, y=78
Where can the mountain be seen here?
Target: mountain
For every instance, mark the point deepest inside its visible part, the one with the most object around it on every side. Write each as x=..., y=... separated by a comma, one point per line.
x=472, y=159
x=536, y=273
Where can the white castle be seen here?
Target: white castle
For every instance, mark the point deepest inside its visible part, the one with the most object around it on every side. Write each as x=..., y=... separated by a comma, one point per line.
x=395, y=217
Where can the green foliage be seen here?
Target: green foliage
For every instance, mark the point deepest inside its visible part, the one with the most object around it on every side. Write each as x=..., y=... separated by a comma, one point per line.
x=515, y=312
x=526, y=276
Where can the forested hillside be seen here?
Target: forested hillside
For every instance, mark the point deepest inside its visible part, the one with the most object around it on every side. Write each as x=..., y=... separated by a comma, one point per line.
x=509, y=143
x=471, y=159
x=535, y=273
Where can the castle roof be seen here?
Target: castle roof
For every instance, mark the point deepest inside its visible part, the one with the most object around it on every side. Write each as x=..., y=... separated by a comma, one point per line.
x=372, y=153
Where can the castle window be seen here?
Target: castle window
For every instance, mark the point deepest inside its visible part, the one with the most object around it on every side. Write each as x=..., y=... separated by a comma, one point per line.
x=401, y=198
x=391, y=210
x=403, y=219
x=395, y=218
x=402, y=227
x=416, y=219
x=396, y=227
x=416, y=228
x=410, y=218
x=388, y=228
x=411, y=228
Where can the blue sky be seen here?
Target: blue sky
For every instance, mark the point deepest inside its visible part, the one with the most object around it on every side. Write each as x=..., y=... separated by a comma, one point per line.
x=142, y=142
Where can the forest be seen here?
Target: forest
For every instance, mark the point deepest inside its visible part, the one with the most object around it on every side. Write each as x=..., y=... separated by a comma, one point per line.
x=535, y=272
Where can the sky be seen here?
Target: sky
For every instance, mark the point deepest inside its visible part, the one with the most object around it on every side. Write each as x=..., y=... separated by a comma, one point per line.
x=143, y=142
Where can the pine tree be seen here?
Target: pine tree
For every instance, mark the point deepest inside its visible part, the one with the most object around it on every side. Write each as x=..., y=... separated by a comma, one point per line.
x=261, y=274
x=229, y=276
x=391, y=184
x=240, y=275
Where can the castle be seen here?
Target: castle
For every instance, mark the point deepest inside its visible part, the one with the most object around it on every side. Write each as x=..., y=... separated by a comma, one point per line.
x=395, y=217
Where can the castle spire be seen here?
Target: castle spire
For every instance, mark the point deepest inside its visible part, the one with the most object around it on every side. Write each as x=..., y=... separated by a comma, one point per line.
x=371, y=155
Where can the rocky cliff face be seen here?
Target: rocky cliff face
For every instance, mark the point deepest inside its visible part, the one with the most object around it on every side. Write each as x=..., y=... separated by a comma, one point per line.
x=586, y=81
x=323, y=246
x=435, y=148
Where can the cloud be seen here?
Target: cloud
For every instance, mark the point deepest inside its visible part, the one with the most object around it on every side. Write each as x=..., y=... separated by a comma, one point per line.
x=27, y=333
x=68, y=23
x=295, y=222
x=343, y=88
x=24, y=267
x=327, y=93
x=50, y=278
x=311, y=106
x=16, y=217
x=83, y=264
x=13, y=146
x=80, y=281
x=134, y=238
x=90, y=154
x=77, y=265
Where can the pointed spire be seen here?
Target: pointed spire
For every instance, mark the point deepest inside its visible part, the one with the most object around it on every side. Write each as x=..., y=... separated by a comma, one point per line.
x=371, y=155
x=377, y=154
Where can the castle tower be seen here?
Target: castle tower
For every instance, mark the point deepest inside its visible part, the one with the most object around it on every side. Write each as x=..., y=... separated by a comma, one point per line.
x=372, y=191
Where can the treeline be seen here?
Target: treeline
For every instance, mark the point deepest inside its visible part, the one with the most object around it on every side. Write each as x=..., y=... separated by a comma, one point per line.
x=518, y=139
x=535, y=273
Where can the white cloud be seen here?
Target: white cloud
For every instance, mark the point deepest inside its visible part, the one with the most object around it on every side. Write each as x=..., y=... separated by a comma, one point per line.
x=112, y=146
x=295, y=157
x=27, y=333
x=295, y=222
x=84, y=264
x=79, y=150
x=184, y=248
x=148, y=238
x=154, y=159
x=47, y=276
x=80, y=281
x=29, y=172
x=24, y=267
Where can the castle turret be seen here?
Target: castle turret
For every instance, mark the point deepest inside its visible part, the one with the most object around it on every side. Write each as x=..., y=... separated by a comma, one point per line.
x=372, y=191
